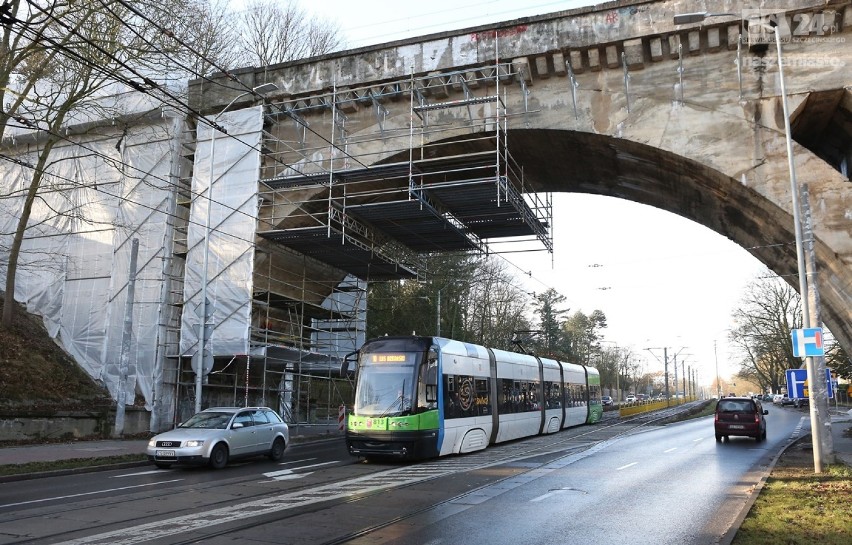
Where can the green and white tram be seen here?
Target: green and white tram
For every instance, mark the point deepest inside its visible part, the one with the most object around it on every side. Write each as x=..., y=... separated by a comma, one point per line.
x=421, y=397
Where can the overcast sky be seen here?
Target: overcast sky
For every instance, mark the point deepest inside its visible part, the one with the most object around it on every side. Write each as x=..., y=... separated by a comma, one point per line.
x=661, y=280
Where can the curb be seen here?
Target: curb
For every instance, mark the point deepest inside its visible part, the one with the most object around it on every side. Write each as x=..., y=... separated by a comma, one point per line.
x=71, y=471
x=731, y=532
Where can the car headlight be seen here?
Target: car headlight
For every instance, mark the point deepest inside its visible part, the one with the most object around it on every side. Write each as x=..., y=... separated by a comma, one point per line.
x=152, y=442
x=194, y=443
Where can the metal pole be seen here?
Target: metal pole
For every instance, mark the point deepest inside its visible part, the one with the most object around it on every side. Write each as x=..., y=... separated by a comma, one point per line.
x=121, y=398
x=202, y=331
x=674, y=359
x=666, y=365
x=718, y=385
x=816, y=430
x=438, y=316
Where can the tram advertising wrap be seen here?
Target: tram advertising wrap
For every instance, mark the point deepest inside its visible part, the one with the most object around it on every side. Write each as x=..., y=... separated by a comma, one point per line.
x=422, y=397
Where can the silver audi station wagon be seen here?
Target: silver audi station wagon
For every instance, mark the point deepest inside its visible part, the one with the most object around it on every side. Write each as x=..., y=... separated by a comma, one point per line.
x=219, y=434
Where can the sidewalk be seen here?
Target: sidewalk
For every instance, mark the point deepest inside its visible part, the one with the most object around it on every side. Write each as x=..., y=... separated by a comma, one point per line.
x=51, y=452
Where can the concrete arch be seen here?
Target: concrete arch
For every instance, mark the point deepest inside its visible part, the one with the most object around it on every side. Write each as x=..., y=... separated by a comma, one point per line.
x=617, y=100
x=752, y=215
x=565, y=161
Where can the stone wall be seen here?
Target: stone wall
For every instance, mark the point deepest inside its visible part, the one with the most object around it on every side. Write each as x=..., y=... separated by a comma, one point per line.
x=68, y=425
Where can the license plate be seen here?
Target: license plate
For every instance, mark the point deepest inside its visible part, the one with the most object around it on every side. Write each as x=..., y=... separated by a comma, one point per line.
x=735, y=427
x=166, y=453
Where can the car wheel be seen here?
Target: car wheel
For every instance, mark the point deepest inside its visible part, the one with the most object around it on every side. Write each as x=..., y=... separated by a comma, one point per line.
x=277, y=451
x=162, y=465
x=718, y=438
x=219, y=456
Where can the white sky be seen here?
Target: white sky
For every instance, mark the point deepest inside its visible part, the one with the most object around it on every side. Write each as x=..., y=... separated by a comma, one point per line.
x=669, y=282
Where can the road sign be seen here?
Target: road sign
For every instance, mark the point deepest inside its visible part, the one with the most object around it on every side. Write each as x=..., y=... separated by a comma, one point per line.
x=797, y=383
x=807, y=342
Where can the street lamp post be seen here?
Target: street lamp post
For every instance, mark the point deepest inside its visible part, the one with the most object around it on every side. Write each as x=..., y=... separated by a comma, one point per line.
x=816, y=430
x=665, y=370
x=204, y=355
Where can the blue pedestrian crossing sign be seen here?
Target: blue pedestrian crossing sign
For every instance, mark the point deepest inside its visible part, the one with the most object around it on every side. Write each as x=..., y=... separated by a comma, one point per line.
x=807, y=342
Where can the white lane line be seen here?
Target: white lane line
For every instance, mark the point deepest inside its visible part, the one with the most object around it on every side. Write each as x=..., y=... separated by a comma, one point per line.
x=625, y=467
x=697, y=440
x=90, y=493
x=296, y=461
x=160, y=471
x=670, y=450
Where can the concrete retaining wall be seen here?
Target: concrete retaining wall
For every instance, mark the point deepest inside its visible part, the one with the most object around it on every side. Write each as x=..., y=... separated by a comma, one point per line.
x=70, y=425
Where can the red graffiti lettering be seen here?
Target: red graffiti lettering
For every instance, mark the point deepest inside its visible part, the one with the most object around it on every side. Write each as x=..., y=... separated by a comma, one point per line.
x=612, y=17
x=500, y=33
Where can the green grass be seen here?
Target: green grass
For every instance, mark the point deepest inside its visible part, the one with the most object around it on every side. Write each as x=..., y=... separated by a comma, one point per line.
x=799, y=507
x=73, y=463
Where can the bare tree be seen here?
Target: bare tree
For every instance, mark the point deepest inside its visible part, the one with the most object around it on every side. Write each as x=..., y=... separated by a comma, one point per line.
x=769, y=310
x=496, y=307
x=63, y=61
x=207, y=39
x=275, y=32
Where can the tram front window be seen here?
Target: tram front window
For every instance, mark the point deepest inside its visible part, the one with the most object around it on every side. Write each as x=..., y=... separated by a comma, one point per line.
x=386, y=383
x=384, y=391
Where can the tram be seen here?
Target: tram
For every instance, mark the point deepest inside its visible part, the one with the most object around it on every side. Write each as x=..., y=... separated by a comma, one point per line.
x=421, y=397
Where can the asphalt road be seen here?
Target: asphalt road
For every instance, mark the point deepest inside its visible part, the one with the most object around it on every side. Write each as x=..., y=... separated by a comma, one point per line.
x=600, y=484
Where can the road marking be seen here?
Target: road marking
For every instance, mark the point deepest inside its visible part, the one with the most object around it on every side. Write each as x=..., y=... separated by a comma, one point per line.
x=625, y=467
x=160, y=471
x=554, y=492
x=90, y=493
x=697, y=440
x=670, y=450
x=286, y=474
x=391, y=478
x=296, y=461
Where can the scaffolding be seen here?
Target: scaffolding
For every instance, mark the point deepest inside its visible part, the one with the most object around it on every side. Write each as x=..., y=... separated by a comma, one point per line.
x=279, y=215
x=396, y=171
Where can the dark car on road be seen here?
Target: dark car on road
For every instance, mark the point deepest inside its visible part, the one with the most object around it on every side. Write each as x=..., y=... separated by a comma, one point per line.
x=740, y=416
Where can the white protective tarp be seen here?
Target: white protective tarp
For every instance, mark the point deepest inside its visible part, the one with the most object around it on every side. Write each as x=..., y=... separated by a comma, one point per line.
x=231, y=226
x=99, y=192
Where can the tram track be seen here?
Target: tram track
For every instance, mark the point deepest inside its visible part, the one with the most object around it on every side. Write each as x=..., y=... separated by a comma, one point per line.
x=264, y=508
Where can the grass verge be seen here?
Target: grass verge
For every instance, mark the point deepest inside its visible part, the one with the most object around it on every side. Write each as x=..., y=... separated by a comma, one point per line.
x=797, y=506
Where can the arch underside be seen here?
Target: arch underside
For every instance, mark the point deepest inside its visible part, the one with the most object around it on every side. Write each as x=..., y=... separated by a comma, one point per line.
x=556, y=160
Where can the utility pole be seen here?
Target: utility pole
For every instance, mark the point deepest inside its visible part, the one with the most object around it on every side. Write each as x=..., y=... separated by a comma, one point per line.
x=126, y=334
x=666, y=370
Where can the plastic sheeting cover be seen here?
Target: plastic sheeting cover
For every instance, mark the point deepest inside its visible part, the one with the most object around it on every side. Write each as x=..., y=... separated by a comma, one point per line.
x=98, y=193
x=231, y=224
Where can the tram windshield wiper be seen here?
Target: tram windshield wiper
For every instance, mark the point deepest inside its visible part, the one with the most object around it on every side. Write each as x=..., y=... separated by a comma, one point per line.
x=400, y=401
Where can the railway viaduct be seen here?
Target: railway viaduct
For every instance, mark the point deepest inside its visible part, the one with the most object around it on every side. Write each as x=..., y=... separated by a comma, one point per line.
x=614, y=100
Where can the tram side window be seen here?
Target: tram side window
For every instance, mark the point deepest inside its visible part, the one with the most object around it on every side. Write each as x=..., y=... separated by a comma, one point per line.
x=518, y=396
x=595, y=394
x=577, y=395
x=552, y=395
x=466, y=396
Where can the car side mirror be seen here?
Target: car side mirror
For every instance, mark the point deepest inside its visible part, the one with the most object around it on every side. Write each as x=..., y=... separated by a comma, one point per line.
x=765, y=411
x=236, y=425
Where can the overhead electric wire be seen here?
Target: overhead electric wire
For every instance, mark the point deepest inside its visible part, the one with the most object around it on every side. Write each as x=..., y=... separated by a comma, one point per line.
x=114, y=74
x=180, y=42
